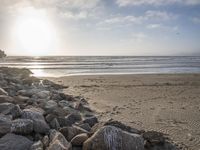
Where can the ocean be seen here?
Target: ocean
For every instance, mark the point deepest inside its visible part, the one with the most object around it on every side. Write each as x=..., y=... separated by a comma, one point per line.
x=56, y=66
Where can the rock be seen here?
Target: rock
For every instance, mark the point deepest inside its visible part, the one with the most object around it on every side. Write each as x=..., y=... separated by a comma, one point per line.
x=5, y=108
x=110, y=137
x=39, y=123
x=73, y=117
x=21, y=99
x=54, y=124
x=37, y=146
x=70, y=132
x=15, y=142
x=78, y=140
x=91, y=121
x=58, y=142
x=6, y=99
x=85, y=126
x=38, y=137
x=76, y=148
x=42, y=95
x=64, y=103
x=50, y=105
x=50, y=117
x=5, y=125
x=16, y=111
x=156, y=141
x=3, y=92
x=35, y=109
x=22, y=126
x=122, y=126
x=45, y=141
x=29, y=92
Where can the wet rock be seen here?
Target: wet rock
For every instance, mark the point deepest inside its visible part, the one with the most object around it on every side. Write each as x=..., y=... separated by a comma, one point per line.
x=78, y=140
x=5, y=125
x=122, y=126
x=45, y=141
x=16, y=111
x=110, y=137
x=3, y=92
x=37, y=146
x=22, y=126
x=58, y=141
x=5, y=108
x=15, y=142
x=6, y=99
x=54, y=124
x=70, y=132
x=91, y=121
x=39, y=123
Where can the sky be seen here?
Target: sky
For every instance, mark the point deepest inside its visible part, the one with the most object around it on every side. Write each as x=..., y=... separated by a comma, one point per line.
x=100, y=27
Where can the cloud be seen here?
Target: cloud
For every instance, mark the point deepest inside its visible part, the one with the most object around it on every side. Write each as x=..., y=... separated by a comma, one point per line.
x=196, y=20
x=150, y=15
x=156, y=2
x=154, y=26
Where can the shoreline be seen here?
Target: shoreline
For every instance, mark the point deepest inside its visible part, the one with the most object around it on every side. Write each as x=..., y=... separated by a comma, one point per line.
x=171, y=99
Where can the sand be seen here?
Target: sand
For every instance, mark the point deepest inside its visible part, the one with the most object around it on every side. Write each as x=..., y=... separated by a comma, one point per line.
x=165, y=103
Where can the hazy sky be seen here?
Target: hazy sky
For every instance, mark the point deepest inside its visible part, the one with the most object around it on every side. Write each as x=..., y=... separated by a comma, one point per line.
x=100, y=27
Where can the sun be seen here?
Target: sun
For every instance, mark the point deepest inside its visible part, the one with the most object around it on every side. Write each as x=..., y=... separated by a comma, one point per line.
x=34, y=32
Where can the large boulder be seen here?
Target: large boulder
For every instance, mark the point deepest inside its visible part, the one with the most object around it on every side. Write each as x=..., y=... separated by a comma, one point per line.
x=112, y=138
x=15, y=142
x=58, y=142
x=5, y=125
x=39, y=123
x=22, y=126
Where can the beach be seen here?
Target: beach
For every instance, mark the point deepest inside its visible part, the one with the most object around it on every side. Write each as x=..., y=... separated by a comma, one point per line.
x=168, y=103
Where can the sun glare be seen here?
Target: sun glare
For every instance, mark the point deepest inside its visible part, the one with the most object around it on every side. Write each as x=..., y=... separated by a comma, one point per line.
x=34, y=32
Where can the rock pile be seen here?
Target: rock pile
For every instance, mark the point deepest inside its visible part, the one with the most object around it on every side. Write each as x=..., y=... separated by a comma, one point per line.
x=36, y=115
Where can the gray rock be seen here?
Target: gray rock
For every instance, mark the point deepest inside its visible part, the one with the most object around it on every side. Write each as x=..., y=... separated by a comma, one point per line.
x=54, y=124
x=85, y=126
x=16, y=111
x=45, y=141
x=3, y=92
x=39, y=123
x=5, y=108
x=50, y=105
x=37, y=146
x=28, y=92
x=64, y=103
x=42, y=95
x=78, y=140
x=73, y=117
x=122, y=126
x=91, y=121
x=6, y=99
x=5, y=125
x=21, y=99
x=15, y=142
x=71, y=132
x=110, y=137
x=58, y=142
x=22, y=126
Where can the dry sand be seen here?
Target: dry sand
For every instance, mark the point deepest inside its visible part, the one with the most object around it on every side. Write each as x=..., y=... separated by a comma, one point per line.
x=165, y=103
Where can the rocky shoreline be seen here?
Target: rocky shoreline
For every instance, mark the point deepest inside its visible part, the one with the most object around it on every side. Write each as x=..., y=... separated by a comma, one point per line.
x=35, y=114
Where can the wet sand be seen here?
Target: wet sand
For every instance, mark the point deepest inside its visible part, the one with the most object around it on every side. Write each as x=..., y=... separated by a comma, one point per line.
x=165, y=103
